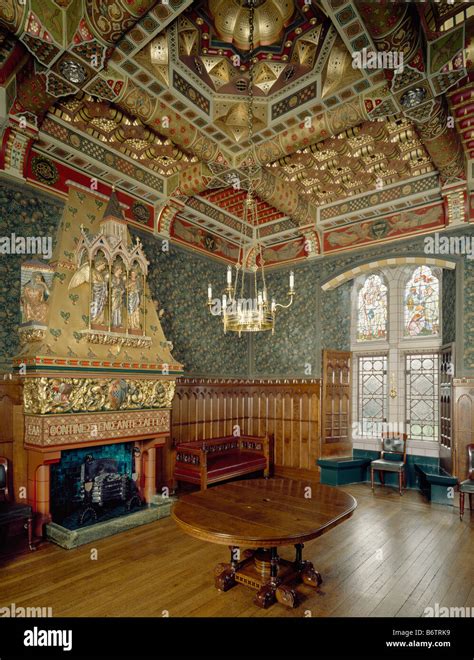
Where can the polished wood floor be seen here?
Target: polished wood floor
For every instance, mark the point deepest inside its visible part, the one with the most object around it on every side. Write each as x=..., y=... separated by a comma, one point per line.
x=394, y=557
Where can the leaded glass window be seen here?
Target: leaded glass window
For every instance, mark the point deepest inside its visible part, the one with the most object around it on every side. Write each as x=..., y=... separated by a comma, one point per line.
x=372, y=394
x=422, y=396
x=372, y=310
x=421, y=304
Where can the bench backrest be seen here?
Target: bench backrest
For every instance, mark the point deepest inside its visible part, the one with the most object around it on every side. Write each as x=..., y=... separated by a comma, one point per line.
x=225, y=443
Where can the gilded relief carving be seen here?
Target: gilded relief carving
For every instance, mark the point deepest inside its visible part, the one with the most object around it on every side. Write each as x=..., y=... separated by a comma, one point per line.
x=43, y=396
x=116, y=274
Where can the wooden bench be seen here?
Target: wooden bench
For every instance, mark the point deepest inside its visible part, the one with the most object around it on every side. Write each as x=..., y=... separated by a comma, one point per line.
x=206, y=462
x=435, y=483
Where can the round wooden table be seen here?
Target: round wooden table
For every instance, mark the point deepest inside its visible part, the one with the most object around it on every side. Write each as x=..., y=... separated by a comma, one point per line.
x=264, y=514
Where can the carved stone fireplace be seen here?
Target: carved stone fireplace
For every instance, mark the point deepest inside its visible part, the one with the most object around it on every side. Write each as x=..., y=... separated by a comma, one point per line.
x=97, y=370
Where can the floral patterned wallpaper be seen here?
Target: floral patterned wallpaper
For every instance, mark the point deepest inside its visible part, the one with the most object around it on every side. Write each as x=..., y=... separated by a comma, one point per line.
x=335, y=318
x=294, y=349
x=178, y=280
x=23, y=212
x=468, y=290
x=448, y=303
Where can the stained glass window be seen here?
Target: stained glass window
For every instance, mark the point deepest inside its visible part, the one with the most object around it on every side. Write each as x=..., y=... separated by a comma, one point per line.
x=421, y=304
x=372, y=310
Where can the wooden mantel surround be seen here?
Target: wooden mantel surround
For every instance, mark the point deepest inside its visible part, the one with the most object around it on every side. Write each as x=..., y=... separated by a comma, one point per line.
x=32, y=443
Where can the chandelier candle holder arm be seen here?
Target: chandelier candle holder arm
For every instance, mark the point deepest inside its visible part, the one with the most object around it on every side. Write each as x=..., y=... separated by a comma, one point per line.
x=291, y=293
x=253, y=313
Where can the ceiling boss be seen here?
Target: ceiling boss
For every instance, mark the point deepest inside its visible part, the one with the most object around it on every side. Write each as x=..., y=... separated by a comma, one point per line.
x=246, y=306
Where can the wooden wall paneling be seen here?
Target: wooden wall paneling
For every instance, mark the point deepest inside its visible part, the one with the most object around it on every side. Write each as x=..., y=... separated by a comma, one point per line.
x=175, y=415
x=230, y=416
x=208, y=414
x=249, y=413
x=304, y=431
x=10, y=396
x=277, y=421
x=288, y=411
x=265, y=413
x=315, y=426
x=336, y=403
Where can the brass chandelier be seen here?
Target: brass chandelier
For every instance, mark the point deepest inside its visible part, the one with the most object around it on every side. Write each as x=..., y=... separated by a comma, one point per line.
x=245, y=306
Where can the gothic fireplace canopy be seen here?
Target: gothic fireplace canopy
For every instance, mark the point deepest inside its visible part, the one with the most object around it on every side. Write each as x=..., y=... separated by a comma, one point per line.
x=94, y=364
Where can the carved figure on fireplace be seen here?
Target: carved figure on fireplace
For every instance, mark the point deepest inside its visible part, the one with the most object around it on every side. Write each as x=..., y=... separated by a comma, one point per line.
x=34, y=298
x=100, y=291
x=118, y=290
x=135, y=291
x=61, y=392
x=97, y=275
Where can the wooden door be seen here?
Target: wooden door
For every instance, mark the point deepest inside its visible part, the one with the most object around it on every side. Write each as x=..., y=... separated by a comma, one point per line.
x=446, y=376
x=336, y=403
x=463, y=401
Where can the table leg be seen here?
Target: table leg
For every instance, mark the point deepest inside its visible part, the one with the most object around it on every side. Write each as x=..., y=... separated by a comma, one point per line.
x=224, y=574
x=273, y=590
x=309, y=575
x=266, y=595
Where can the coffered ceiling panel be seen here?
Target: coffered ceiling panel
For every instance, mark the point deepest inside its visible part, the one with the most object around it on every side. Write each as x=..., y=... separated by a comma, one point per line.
x=159, y=91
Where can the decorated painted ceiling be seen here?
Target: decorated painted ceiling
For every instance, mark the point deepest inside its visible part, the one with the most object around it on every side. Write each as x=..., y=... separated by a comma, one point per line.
x=150, y=96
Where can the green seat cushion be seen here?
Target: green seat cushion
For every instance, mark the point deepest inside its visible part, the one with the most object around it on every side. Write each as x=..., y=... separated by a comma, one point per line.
x=387, y=466
x=467, y=486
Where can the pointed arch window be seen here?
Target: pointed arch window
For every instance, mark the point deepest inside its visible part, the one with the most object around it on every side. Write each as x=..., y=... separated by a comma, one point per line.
x=372, y=310
x=421, y=304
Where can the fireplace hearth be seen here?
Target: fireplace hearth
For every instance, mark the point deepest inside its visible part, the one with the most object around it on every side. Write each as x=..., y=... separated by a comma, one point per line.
x=95, y=484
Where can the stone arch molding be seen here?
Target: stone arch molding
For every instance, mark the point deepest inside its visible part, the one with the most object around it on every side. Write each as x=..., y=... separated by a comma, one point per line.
x=354, y=272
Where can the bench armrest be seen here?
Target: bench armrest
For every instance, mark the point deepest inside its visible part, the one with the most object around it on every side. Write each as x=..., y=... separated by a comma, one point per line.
x=258, y=445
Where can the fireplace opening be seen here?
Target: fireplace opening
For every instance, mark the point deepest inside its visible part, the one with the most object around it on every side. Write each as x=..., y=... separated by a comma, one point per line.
x=94, y=484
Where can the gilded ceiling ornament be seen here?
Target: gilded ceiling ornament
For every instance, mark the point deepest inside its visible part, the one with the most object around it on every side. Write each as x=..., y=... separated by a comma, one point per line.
x=231, y=21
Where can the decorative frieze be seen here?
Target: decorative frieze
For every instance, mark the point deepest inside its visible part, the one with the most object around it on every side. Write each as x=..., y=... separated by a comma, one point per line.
x=47, y=431
x=42, y=396
x=116, y=339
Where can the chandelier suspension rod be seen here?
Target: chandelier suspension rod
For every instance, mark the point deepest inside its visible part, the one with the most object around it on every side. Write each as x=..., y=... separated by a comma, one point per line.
x=254, y=313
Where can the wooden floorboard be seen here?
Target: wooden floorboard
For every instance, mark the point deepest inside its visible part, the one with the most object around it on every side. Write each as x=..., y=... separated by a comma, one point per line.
x=394, y=557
